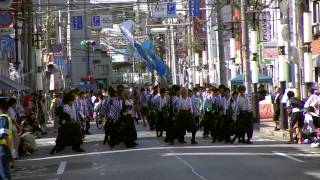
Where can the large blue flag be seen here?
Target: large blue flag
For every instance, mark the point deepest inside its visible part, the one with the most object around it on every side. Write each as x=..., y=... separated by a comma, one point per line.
x=160, y=67
x=126, y=28
x=142, y=52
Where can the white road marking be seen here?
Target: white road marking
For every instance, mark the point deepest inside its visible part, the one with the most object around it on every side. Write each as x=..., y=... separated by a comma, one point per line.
x=219, y=154
x=287, y=156
x=191, y=168
x=315, y=175
x=158, y=148
x=62, y=167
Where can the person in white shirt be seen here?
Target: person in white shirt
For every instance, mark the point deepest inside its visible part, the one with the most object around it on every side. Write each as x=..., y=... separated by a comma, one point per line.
x=311, y=123
x=69, y=132
x=161, y=103
x=208, y=110
x=228, y=115
x=244, y=109
x=184, y=107
x=312, y=99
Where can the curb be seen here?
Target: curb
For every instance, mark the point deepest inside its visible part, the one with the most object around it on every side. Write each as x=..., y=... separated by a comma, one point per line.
x=280, y=135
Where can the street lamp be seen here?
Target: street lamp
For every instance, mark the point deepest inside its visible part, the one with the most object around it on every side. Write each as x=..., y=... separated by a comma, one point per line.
x=87, y=44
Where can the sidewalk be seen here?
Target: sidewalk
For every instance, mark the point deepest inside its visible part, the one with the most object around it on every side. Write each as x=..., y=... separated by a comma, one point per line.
x=266, y=128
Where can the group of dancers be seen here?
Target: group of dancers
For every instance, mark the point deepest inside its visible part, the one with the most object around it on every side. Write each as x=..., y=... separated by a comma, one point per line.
x=175, y=111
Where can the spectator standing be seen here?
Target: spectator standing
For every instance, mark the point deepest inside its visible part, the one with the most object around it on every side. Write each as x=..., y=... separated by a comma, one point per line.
x=276, y=100
x=5, y=142
x=16, y=128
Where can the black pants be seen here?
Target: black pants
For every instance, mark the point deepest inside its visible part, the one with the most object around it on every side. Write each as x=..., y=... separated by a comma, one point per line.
x=160, y=122
x=245, y=125
x=128, y=130
x=170, y=129
x=183, y=120
x=111, y=133
x=152, y=119
x=205, y=123
x=87, y=125
x=227, y=130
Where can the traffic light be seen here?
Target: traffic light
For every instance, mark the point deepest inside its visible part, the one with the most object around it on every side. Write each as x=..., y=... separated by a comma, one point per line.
x=88, y=42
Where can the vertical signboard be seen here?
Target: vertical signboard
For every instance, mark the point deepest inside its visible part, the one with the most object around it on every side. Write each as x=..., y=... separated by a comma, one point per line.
x=194, y=7
x=77, y=23
x=265, y=26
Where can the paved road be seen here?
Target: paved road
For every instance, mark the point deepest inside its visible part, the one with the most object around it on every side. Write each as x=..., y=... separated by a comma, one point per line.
x=152, y=159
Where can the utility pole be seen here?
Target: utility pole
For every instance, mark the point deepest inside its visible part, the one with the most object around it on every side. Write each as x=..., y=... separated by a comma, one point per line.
x=189, y=48
x=39, y=79
x=245, y=47
x=299, y=12
x=137, y=33
x=222, y=65
x=69, y=44
x=209, y=41
x=173, y=56
x=153, y=79
x=30, y=61
x=48, y=29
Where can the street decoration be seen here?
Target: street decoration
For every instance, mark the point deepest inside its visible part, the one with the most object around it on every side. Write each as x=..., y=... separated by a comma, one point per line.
x=144, y=51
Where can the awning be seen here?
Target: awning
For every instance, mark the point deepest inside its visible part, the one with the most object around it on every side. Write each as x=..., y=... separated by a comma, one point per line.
x=87, y=86
x=240, y=78
x=8, y=84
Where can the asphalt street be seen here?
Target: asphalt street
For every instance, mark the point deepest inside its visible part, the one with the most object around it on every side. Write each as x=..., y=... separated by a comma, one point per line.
x=153, y=159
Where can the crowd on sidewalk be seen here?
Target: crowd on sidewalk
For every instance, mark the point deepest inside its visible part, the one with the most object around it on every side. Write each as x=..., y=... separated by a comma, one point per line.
x=303, y=115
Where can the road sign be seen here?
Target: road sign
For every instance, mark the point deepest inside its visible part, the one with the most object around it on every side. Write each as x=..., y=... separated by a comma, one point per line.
x=6, y=31
x=163, y=10
x=57, y=48
x=194, y=8
x=5, y=4
x=77, y=22
x=171, y=9
x=6, y=18
x=102, y=21
x=6, y=44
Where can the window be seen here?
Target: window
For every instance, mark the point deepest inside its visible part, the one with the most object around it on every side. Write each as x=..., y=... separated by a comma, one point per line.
x=315, y=12
x=103, y=70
